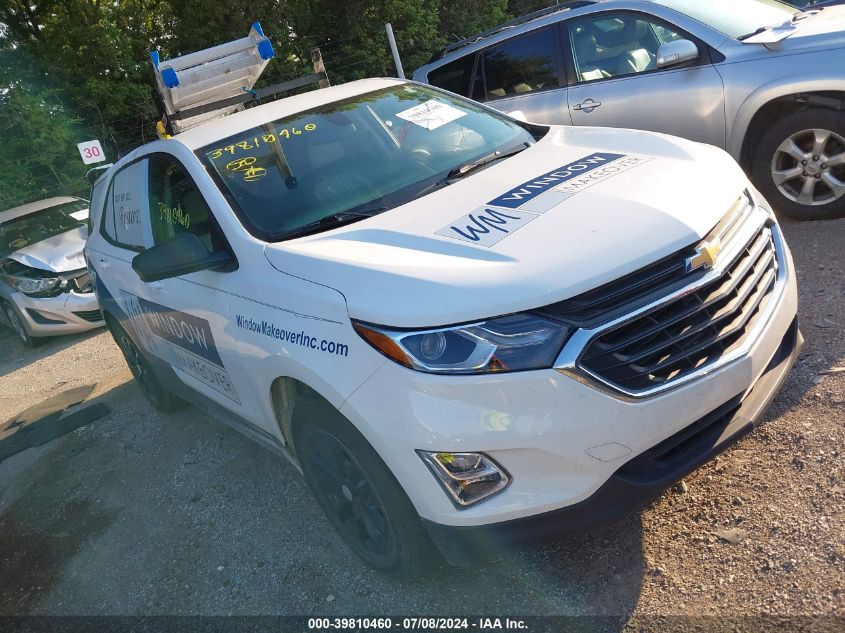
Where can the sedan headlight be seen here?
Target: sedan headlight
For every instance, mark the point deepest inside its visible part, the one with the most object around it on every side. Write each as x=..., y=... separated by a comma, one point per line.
x=510, y=343
x=34, y=285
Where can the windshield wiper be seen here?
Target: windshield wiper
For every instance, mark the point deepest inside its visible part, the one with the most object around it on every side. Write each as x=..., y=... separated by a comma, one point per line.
x=762, y=29
x=796, y=17
x=331, y=221
x=462, y=170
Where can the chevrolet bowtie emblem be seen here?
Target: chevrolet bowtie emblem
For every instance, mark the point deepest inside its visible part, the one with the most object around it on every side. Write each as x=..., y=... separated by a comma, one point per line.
x=705, y=256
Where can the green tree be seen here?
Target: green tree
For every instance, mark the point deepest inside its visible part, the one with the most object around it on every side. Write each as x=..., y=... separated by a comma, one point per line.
x=81, y=68
x=39, y=136
x=461, y=18
x=352, y=37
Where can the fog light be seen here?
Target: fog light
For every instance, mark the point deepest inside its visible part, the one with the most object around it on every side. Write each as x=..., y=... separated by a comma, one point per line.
x=468, y=478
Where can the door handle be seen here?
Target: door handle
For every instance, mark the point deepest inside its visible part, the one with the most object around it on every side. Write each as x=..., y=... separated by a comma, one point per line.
x=587, y=105
x=103, y=262
x=155, y=285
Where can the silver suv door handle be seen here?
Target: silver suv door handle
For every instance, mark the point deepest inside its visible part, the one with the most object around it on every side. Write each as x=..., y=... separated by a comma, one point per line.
x=587, y=105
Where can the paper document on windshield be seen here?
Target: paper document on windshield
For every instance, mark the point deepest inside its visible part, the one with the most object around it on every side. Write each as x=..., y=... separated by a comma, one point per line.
x=431, y=115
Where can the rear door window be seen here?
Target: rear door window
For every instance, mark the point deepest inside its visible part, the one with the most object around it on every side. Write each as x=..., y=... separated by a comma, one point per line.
x=454, y=76
x=123, y=223
x=521, y=65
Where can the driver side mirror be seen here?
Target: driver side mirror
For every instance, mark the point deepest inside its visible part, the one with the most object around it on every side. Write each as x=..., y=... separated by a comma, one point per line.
x=184, y=254
x=675, y=53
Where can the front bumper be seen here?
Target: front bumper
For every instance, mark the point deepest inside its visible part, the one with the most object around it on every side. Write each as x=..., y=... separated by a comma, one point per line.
x=640, y=480
x=567, y=442
x=67, y=313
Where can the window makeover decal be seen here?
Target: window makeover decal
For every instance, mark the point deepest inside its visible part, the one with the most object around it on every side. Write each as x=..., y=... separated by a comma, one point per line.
x=182, y=340
x=300, y=338
x=488, y=225
x=528, y=191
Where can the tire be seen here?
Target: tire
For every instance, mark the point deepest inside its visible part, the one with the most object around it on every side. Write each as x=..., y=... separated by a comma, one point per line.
x=358, y=493
x=17, y=325
x=157, y=394
x=799, y=165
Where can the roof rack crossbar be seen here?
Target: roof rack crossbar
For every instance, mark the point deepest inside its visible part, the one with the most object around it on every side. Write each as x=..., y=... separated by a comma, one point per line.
x=528, y=17
x=249, y=96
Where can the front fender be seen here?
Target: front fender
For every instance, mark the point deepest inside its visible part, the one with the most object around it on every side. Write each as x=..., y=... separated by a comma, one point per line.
x=775, y=89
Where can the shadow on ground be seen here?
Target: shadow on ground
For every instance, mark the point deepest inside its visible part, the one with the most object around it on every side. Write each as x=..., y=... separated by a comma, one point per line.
x=143, y=513
x=42, y=423
x=14, y=356
x=49, y=518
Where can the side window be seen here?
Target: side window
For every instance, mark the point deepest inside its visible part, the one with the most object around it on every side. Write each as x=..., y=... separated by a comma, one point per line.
x=454, y=76
x=521, y=65
x=107, y=217
x=665, y=34
x=123, y=223
x=176, y=204
x=616, y=45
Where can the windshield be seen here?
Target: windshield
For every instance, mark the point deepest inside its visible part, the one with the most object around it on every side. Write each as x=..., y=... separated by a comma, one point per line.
x=358, y=156
x=35, y=227
x=734, y=18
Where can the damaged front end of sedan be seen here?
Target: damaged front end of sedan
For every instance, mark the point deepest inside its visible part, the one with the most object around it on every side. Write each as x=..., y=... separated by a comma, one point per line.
x=45, y=286
x=36, y=282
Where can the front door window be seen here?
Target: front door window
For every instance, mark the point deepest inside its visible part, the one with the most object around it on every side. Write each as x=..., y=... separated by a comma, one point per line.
x=616, y=45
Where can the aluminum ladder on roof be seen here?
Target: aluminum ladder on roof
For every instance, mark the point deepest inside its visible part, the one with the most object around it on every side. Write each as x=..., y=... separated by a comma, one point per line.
x=214, y=74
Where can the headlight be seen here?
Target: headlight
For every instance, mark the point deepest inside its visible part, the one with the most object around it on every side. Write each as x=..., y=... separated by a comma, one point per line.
x=34, y=285
x=510, y=343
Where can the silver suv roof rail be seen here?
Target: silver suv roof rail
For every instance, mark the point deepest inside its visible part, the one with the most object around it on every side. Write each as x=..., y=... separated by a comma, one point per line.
x=528, y=17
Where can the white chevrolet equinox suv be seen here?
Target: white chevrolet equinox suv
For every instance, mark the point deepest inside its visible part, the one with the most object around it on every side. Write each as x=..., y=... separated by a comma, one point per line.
x=465, y=330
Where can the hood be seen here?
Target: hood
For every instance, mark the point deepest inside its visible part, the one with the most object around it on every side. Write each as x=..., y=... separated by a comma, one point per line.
x=60, y=253
x=580, y=208
x=823, y=28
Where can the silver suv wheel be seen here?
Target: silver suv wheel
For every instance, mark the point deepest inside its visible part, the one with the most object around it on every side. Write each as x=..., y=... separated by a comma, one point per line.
x=809, y=167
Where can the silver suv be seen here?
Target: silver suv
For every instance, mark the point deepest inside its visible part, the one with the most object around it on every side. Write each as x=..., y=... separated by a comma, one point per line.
x=756, y=77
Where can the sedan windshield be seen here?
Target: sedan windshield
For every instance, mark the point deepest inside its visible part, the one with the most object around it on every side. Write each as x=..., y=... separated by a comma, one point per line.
x=350, y=159
x=734, y=18
x=38, y=226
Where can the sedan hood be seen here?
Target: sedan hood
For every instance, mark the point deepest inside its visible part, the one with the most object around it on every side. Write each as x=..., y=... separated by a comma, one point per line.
x=580, y=208
x=824, y=28
x=60, y=253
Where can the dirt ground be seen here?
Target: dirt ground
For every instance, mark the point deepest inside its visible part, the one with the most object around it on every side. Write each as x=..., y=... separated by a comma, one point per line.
x=140, y=513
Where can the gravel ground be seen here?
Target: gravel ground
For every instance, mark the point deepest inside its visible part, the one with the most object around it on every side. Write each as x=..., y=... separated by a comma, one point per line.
x=140, y=513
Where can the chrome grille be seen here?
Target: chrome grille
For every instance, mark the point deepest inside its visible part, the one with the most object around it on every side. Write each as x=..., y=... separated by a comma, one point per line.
x=660, y=279
x=691, y=332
